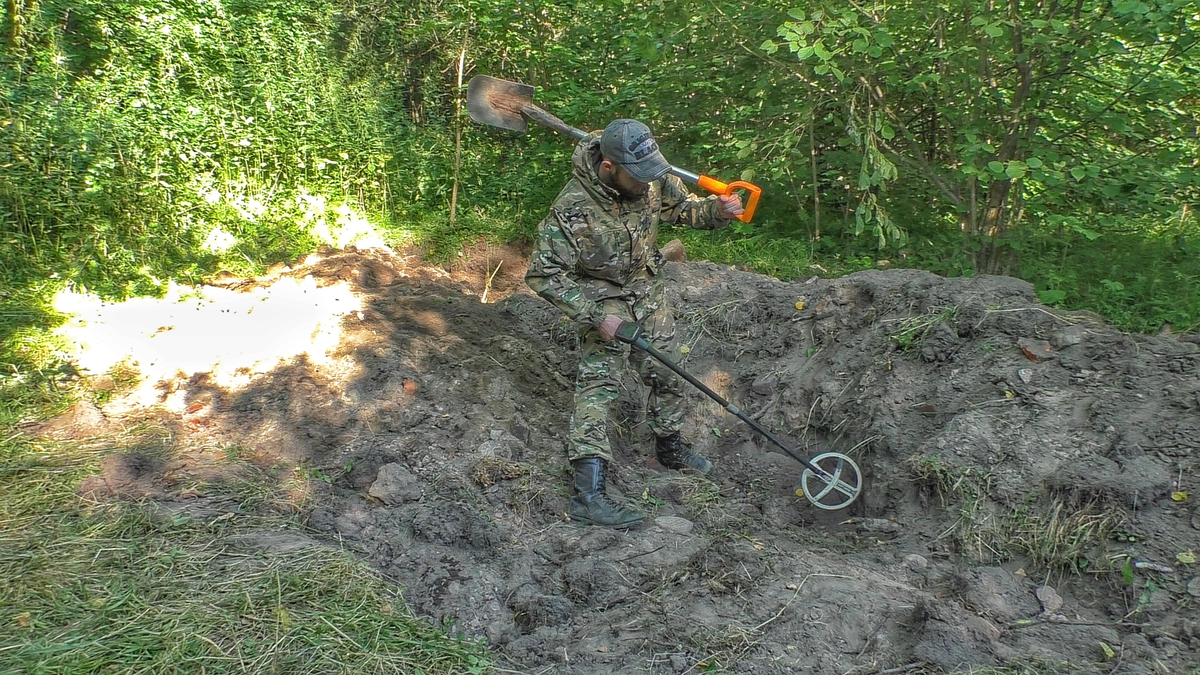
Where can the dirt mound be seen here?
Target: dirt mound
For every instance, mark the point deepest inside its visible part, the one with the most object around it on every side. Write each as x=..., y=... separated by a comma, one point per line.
x=1027, y=473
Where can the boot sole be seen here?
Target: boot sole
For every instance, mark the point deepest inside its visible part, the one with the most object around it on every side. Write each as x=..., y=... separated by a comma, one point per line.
x=614, y=526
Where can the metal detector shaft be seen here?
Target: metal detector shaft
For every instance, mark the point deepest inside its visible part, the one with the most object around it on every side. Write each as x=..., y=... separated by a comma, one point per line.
x=630, y=332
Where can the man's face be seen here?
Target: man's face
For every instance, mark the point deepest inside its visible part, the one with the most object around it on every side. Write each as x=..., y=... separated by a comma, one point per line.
x=620, y=180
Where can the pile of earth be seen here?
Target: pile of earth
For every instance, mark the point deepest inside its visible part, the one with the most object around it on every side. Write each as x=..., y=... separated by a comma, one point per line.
x=1027, y=470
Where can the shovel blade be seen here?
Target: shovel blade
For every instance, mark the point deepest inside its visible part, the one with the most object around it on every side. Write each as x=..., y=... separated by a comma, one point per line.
x=498, y=103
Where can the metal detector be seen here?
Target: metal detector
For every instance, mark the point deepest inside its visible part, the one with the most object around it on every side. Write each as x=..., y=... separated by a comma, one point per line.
x=831, y=480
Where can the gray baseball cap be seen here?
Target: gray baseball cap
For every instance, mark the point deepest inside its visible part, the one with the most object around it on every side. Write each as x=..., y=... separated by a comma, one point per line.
x=630, y=144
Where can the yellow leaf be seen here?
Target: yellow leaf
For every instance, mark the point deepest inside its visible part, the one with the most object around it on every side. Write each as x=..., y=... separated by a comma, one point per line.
x=1180, y=496
x=1108, y=651
x=1187, y=558
x=684, y=349
x=800, y=492
x=799, y=305
x=23, y=620
x=1008, y=394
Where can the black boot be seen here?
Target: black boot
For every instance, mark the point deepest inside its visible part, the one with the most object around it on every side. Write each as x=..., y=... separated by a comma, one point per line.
x=674, y=453
x=591, y=504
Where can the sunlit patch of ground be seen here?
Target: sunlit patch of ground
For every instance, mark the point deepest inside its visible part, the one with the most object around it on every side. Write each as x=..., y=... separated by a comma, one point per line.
x=231, y=334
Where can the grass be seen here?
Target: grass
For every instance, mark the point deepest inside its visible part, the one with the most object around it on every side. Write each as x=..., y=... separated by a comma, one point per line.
x=1054, y=537
x=911, y=332
x=90, y=587
x=785, y=258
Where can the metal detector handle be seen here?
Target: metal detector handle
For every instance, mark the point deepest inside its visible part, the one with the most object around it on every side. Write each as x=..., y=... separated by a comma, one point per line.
x=631, y=333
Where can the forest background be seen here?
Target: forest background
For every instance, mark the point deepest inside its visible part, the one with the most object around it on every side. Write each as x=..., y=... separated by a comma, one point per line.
x=144, y=142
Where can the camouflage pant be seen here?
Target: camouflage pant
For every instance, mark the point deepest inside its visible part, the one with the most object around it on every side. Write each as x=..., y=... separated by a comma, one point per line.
x=602, y=363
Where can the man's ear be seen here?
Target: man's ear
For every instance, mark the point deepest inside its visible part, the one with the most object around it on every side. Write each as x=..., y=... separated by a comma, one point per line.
x=606, y=164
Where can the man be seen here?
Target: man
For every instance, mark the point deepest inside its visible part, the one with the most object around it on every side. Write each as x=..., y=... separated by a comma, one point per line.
x=596, y=260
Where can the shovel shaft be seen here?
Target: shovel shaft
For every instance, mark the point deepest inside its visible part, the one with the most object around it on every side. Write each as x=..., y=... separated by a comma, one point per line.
x=546, y=119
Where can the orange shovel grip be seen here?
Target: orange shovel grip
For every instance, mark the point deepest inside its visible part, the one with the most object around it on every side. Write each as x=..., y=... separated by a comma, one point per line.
x=718, y=188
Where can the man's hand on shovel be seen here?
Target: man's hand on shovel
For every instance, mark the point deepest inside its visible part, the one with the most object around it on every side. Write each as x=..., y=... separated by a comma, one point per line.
x=730, y=205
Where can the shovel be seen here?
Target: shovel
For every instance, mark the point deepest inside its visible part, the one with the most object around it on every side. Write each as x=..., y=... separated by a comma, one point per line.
x=831, y=480
x=504, y=104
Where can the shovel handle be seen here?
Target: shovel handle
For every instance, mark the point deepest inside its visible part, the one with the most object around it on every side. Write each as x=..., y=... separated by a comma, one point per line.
x=718, y=188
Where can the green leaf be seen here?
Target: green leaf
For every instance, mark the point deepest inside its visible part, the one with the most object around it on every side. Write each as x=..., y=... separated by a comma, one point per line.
x=1050, y=297
x=797, y=13
x=1078, y=172
x=769, y=47
x=883, y=39
x=821, y=52
x=996, y=167
x=874, y=51
x=1015, y=169
x=1034, y=163
x=887, y=132
x=1127, y=573
x=859, y=46
x=993, y=31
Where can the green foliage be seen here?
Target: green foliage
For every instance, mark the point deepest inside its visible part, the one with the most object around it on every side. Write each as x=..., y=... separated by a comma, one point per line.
x=1070, y=114
x=147, y=140
x=35, y=378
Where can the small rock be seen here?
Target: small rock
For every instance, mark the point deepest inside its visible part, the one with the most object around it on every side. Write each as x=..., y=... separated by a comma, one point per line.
x=103, y=383
x=395, y=484
x=1025, y=375
x=1193, y=587
x=674, y=251
x=1035, y=350
x=764, y=384
x=997, y=593
x=674, y=524
x=916, y=563
x=1050, y=599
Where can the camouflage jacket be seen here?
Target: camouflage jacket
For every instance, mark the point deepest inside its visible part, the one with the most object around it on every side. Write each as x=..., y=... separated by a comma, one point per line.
x=594, y=245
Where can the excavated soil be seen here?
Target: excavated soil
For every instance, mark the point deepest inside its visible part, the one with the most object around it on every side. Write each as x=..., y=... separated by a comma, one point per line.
x=1031, y=480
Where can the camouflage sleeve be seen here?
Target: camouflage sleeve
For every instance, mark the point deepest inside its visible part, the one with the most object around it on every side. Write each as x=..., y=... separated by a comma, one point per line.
x=680, y=206
x=554, y=256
